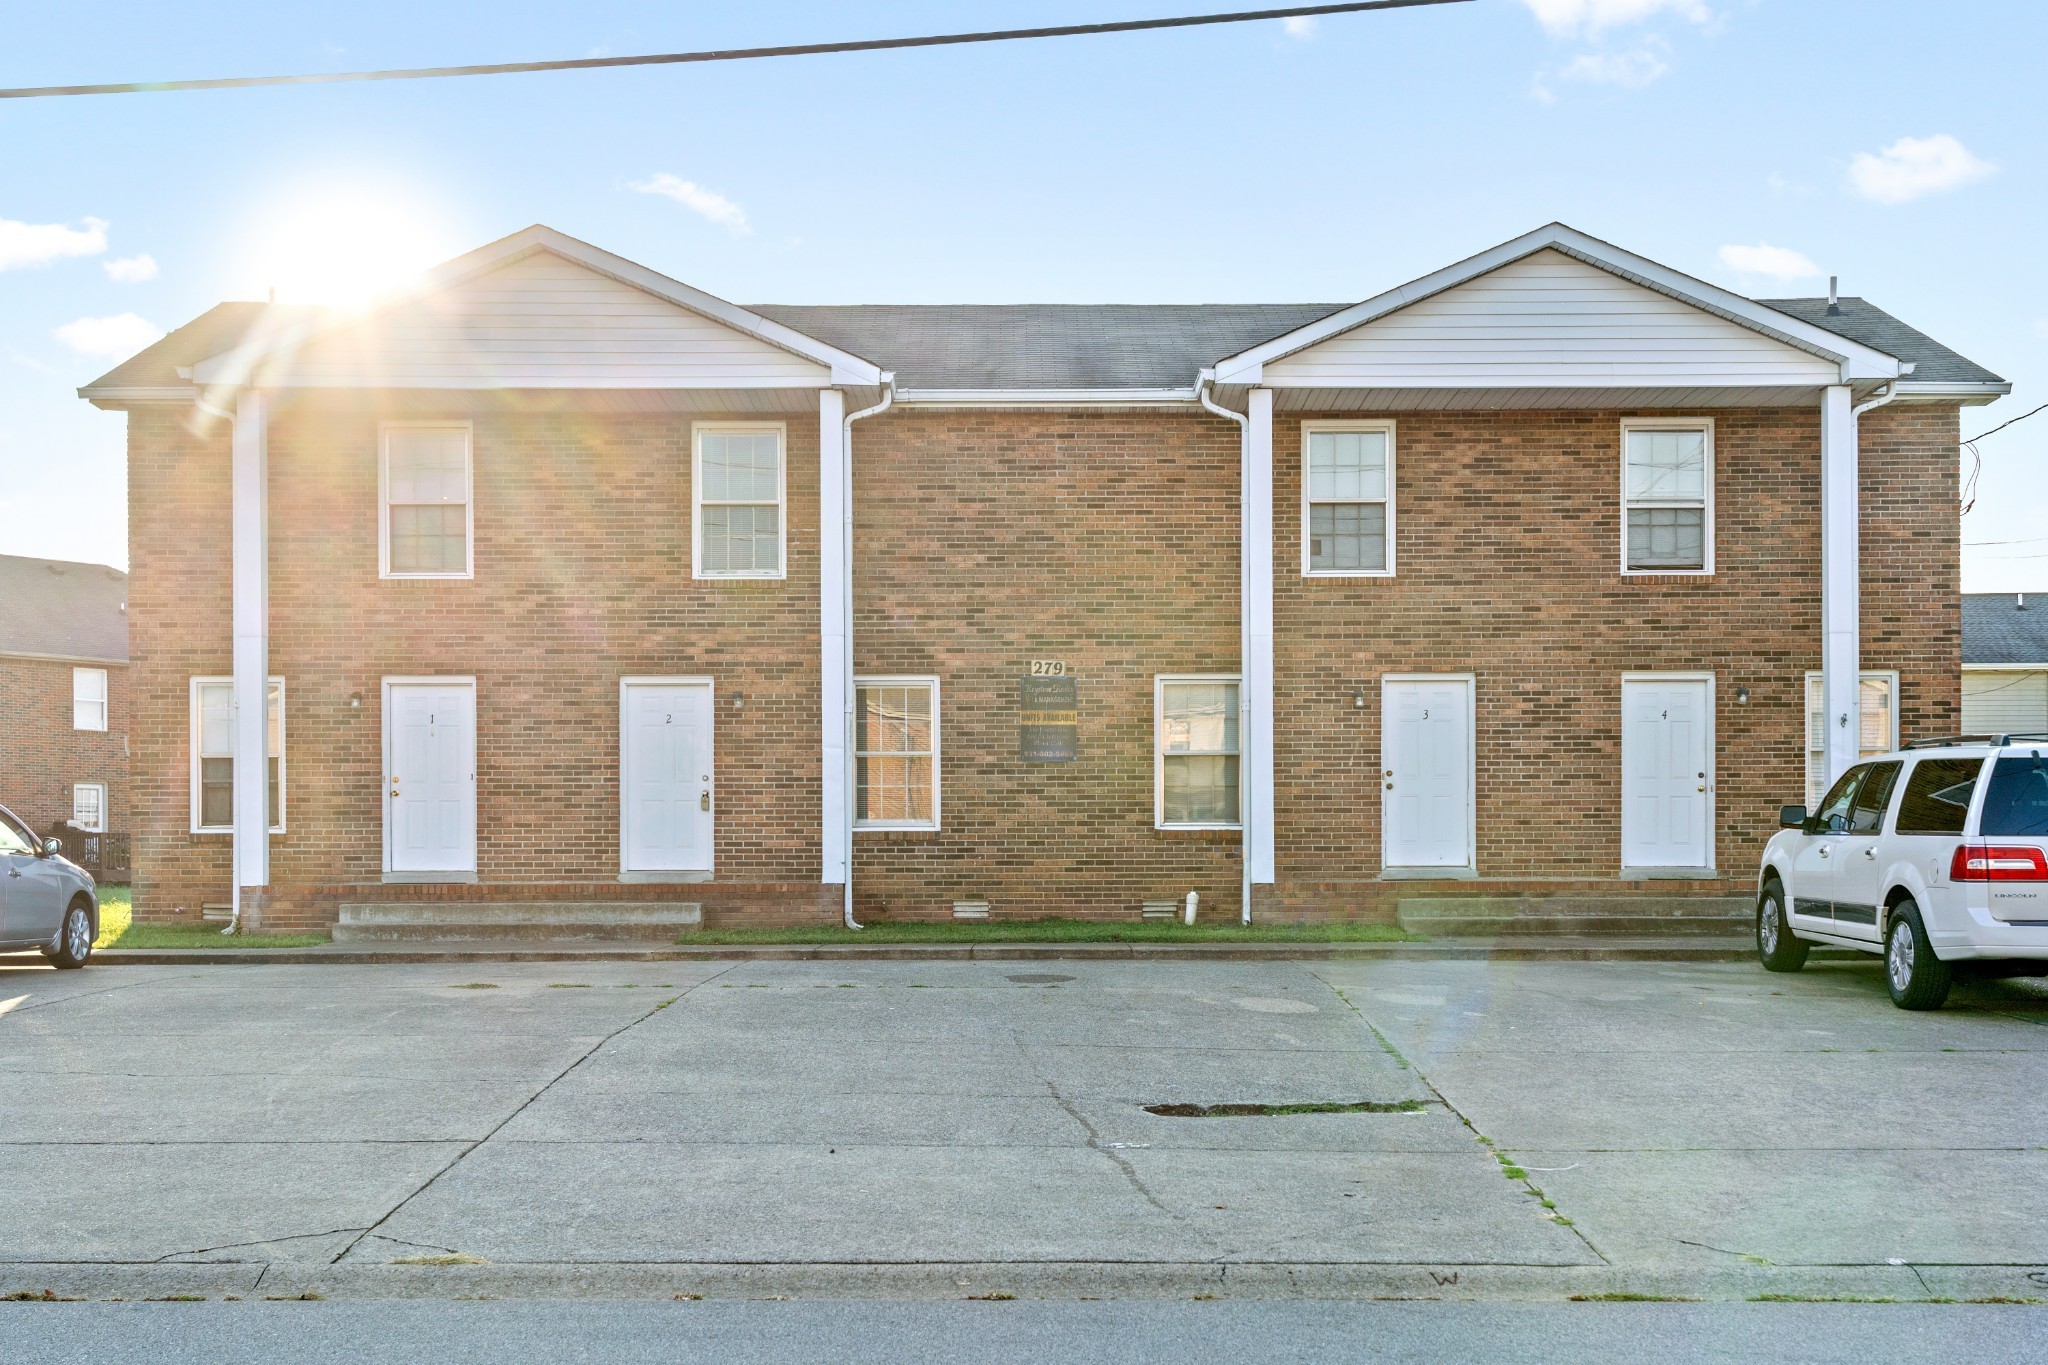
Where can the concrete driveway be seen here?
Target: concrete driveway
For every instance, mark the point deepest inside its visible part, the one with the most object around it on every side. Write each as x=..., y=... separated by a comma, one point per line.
x=962, y=1129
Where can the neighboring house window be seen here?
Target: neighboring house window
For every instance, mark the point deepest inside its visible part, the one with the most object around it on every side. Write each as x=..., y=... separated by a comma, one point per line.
x=1347, y=498
x=737, y=495
x=88, y=698
x=1877, y=732
x=1667, y=489
x=213, y=755
x=1195, y=773
x=896, y=753
x=426, y=480
x=89, y=807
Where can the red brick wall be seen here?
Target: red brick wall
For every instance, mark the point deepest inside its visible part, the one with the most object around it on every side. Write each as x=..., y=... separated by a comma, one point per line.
x=45, y=756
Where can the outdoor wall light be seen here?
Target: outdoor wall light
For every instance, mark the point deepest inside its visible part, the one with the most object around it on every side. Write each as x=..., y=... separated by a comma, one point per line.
x=1358, y=698
x=1742, y=696
x=738, y=701
x=355, y=701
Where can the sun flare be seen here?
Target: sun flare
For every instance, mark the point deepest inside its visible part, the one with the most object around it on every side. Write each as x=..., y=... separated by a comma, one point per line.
x=343, y=244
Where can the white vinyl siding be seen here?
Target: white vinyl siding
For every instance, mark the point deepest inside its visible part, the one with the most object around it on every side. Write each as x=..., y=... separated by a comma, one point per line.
x=88, y=698
x=425, y=481
x=89, y=807
x=1196, y=779
x=2005, y=701
x=1550, y=321
x=1347, y=499
x=1667, y=486
x=213, y=755
x=737, y=495
x=1877, y=698
x=896, y=753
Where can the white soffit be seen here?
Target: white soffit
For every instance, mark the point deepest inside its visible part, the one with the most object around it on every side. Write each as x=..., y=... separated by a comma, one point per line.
x=540, y=309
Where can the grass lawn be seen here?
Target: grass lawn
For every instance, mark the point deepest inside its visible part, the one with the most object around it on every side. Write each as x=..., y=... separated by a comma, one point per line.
x=1062, y=931
x=119, y=930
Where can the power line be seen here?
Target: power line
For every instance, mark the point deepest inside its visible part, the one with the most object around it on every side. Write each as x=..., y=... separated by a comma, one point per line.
x=2003, y=425
x=737, y=54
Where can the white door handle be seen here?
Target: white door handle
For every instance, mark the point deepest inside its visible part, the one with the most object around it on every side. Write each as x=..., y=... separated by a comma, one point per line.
x=1826, y=852
x=1870, y=853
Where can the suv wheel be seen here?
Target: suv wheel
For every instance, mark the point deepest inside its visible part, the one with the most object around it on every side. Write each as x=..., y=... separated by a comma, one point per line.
x=1776, y=945
x=1918, y=980
x=74, y=940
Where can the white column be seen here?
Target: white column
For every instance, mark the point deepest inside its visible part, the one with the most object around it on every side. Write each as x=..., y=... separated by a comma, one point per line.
x=1841, y=589
x=835, y=658
x=1257, y=642
x=249, y=482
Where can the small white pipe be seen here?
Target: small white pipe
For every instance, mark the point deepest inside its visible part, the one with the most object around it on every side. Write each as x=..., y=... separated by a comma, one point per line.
x=1193, y=898
x=1203, y=381
x=846, y=619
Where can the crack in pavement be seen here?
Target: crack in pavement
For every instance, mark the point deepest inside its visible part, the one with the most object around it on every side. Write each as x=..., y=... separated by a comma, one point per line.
x=1130, y=1172
x=258, y=1242
x=19, y=1010
x=521, y=1108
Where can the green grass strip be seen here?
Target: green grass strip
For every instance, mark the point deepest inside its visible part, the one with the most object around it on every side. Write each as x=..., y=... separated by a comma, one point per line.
x=118, y=929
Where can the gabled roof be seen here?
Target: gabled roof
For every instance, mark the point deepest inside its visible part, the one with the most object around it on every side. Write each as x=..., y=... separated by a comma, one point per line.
x=2005, y=628
x=57, y=609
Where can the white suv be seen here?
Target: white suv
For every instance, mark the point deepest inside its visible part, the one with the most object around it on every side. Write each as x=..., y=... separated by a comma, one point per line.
x=1934, y=855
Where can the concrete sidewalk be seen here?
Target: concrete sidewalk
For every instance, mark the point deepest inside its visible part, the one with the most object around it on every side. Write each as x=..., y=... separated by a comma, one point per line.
x=950, y=1129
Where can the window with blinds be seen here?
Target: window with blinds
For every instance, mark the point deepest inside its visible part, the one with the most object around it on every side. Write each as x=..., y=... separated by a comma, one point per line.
x=1877, y=726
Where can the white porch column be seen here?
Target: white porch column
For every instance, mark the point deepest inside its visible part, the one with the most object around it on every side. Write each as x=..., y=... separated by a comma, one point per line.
x=1256, y=646
x=835, y=661
x=249, y=482
x=1840, y=579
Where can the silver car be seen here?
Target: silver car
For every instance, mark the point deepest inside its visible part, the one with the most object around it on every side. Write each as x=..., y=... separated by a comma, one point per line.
x=46, y=900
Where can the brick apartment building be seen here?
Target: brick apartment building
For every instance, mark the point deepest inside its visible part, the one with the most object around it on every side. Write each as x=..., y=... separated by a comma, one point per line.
x=64, y=691
x=1552, y=573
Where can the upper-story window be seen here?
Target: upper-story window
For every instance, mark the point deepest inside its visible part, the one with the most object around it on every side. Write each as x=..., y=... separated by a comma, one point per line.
x=428, y=524
x=737, y=495
x=1668, y=496
x=88, y=698
x=1347, y=498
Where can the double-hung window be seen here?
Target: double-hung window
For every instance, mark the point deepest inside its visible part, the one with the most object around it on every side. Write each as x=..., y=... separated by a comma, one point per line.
x=89, y=807
x=1347, y=498
x=88, y=698
x=1877, y=725
x=1668, y=495
x=213, y=755
x=1195, y=753
x=737, y=490
x=428, y=522
x=896, y=753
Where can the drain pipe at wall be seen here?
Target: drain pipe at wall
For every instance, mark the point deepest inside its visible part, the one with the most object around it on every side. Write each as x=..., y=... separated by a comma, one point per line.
x=1884, y=395
x=1203, y=382
x=846, y=620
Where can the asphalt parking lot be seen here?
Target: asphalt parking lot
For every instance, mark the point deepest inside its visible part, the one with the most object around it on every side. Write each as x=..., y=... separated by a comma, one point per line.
x=980, y=1130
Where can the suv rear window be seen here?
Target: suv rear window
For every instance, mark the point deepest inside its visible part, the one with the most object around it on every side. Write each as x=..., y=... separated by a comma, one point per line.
x=2016, y=802
x=1937, y=798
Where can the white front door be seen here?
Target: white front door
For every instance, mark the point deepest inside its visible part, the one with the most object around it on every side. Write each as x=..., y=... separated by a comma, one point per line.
x=1667, y=768
x=430, y=786
x=1426, y=744
x=665, y=775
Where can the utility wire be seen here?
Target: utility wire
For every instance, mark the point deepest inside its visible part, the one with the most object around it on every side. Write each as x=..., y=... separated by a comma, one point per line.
x=736, y=54
x=2003, y=425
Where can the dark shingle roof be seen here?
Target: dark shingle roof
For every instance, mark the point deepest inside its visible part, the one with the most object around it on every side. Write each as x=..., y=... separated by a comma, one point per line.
x=219, y=328
x=1858, y=320
x=1997, y=630
x=62, y=609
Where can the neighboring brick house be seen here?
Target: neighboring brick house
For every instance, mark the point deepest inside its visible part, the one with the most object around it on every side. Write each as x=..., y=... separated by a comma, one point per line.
x=553, y=567
x=64, y=691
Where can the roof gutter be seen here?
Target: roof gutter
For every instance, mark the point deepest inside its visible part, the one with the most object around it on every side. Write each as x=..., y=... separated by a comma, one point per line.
x=1203, y=383
x=846, y=621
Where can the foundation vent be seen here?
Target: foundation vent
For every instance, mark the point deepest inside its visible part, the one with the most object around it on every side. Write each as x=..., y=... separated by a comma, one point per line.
x=218, y=914
x=1159, y=910
x=970, y=909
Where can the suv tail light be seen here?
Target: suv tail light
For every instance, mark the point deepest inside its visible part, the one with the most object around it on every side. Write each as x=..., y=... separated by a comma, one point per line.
x=1998, y=863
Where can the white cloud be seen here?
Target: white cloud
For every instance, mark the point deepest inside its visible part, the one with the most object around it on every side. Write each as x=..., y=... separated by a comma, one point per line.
x=130, y=269
x=1569, y=18
x=23, y=244
x=1916, y=166
x=114, y=338
x=1778, y=262
x=1302, y=26
x=1632, y=70
x=707, y=204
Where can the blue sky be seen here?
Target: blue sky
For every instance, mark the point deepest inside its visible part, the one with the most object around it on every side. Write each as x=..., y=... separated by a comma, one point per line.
x=1762, y=144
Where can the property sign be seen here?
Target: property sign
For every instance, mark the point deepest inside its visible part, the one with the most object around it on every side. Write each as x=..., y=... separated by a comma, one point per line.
x=1048, y=723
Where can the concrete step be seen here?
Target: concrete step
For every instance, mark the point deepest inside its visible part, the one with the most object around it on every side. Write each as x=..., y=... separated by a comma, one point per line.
x=516, y=921
x=1572, y=916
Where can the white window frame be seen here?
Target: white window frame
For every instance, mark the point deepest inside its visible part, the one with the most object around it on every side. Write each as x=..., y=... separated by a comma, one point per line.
x=192, y=723
x=698, y=431
x=1307, y=547
x=903, y=681
x=384, y=430
x=1807, y=749
x=1705, y=424
x=103, y=700
x=99, y=826
x=1159, y=685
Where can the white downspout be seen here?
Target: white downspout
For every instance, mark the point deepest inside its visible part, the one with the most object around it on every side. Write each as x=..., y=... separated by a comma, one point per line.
x=846, y=618
x=1203, y=382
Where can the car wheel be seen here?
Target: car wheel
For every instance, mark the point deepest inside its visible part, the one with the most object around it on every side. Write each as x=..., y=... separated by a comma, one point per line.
x=74, y=940
x=1918, y=980
x=1777, y=947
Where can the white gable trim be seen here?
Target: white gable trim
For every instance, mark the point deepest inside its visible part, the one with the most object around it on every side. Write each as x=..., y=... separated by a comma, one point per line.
x=247, y=361
x=1858, y=362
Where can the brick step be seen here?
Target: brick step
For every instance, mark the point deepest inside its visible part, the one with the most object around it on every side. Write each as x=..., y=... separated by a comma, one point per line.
x=519, y=921
x=1496, y=916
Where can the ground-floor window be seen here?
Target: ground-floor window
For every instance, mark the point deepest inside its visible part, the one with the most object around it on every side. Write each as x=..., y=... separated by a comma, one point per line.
x=89, y=807
x=1195, y=753
x=1877, y=726
x=213, y=755
x=896, y=753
